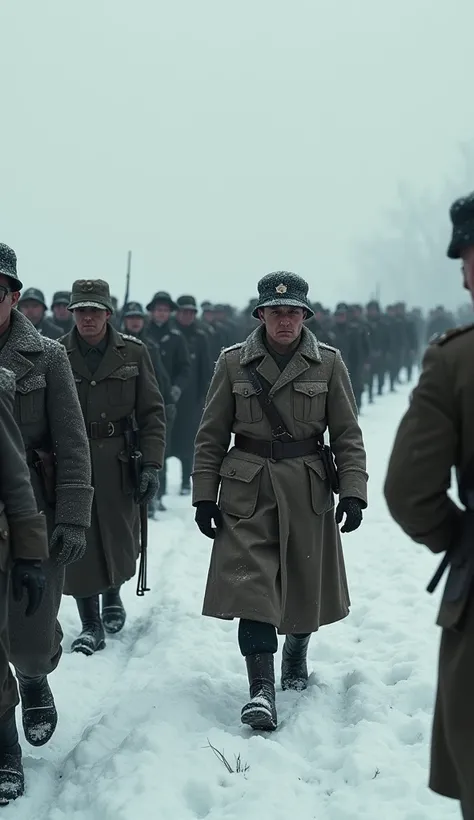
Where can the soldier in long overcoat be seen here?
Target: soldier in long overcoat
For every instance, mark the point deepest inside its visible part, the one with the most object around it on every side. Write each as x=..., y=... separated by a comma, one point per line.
x=23, y=549
x=435, y=435
x=277, y=561
x=49, y=416
x=118, y=391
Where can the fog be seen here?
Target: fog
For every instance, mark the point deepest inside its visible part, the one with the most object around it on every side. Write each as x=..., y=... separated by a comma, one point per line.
x=219, y=141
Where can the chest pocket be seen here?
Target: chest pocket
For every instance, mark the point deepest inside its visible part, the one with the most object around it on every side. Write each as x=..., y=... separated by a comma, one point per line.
x=30, y=398
x=309, y=400
x=247, y=406
x=121, y=385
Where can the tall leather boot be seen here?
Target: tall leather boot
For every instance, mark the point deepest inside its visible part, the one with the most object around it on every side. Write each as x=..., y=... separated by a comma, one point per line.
x=260, y=712
x=294, y=669
x=92, y=637
x=12, y=779
x=39, y=714
x=113, y=610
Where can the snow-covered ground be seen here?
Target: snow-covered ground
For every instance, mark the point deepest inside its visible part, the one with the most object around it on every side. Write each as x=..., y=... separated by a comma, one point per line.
x=137, y=719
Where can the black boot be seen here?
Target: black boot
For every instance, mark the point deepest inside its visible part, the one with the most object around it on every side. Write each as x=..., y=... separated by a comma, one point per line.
x=260, y=711
x=294, y=670
x=12, y=779
x=113, y=611
x=39, y=714
x=92, y=636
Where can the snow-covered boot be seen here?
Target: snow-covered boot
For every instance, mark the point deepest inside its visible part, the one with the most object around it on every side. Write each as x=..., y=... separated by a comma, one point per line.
x=294, y=669
x=113, y=611
x=39, y=714
x=92, y=637
x=260, y=712
x=12, y=779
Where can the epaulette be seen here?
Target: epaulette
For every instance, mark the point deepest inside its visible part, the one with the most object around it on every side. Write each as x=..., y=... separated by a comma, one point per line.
x=232, y=347
x=175, y=331
x=327, y=347
x=131, y=338
x=442, y=338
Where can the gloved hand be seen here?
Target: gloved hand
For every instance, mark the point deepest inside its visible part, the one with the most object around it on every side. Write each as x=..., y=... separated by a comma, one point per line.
x=28, y=575
x=206, y=513
x=149, y=485
x=68, y=543
x=175, y=393
x=352, y=507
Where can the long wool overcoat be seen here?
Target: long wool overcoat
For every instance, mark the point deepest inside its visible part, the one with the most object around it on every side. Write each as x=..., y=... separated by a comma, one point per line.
x=435, y=435
x=278, y=557
x=124, y=383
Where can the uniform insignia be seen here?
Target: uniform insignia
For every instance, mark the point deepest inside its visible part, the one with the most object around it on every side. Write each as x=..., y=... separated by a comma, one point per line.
x=327, y=347
x=175, y=332
x=232, y=347
x=281, y=288
x=88, y=285
x=131, y=338
x=165, y=338
x=442, y=338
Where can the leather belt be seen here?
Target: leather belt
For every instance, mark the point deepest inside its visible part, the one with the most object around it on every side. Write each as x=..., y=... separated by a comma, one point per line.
x=277, y=450
x=106, y=429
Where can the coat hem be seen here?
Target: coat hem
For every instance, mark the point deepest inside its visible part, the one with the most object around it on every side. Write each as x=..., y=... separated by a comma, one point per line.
x=281, y=629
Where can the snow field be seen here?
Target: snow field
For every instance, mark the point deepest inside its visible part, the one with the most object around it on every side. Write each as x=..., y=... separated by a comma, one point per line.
x=135, y=721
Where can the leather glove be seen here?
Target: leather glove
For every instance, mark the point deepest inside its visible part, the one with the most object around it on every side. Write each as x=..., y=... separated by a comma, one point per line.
x=68, y=543
x=28, y=575
x=149, y=485
x=206, y=513
x=352, y=507
x=175, y=393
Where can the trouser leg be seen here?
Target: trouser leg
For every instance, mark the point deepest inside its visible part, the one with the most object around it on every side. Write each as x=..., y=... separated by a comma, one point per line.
x=186, y=466
x=35, y=643
x=8, y=688
x=256, y=637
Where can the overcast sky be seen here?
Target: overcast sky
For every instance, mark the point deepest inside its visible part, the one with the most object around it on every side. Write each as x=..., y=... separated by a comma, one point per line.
x=221, y=140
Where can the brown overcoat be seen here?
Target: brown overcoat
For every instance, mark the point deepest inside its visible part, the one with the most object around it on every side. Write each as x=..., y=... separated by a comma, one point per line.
x=124, y=383
x=435, y=435
x=278, y=557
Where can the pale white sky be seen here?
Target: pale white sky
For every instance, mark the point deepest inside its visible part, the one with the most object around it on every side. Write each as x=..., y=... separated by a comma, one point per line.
x=221, y=140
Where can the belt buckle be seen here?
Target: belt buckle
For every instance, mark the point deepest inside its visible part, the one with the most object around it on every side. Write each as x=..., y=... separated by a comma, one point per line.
x=274, y=450
x=110, y=429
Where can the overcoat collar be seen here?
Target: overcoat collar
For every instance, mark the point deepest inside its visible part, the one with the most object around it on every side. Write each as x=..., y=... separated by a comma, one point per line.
x=22, y=341
x=113, y=357
x=306, y=353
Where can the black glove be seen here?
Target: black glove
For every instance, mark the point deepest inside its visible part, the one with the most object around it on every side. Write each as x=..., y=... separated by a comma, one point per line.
x=149, y=485
x=68, y=543
x=28, y=575
x=206, y=513
x=352, y=507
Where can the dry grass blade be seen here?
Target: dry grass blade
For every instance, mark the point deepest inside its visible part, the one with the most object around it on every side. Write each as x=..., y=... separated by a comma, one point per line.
x=221, y=756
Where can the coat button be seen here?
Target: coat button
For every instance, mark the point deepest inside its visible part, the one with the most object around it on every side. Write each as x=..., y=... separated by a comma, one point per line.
x=103, y=415
x=93, y=384
x=310, y=392
x=4, y=533
x=246, y=392
x=232, y=472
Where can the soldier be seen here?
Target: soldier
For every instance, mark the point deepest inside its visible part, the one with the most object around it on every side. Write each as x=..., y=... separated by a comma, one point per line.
x=440, y=321
x=23, y=548
x=175, y=356
x=408, y=339
x=33, y=306
x=216, y=338
x=118, y=394
x=348, y=341
x=191, y=403
x=277, y=561
x=379, y=348
x=61, y=315
x=50, y=420
x=319, y=327
x=395, y=347
x=435, y=435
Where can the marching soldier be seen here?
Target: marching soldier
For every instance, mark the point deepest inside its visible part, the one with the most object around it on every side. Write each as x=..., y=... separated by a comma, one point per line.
x=61, y=316
x=23, y=549
x=277, y=561
x=119, y=395
x=33, y=306
x=379, y=347
x=435, y=435
x=49, y=416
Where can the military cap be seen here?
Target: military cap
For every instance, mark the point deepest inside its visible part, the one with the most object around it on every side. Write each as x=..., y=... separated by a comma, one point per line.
x=283, y=288
x=161, y=297
x=34, y=295
x=207, y=306
x=462, y=218
x=61, y=297
x=342, y=306
x=8, y=266
x=186, y=303
x=133, y=309
x=91, y=293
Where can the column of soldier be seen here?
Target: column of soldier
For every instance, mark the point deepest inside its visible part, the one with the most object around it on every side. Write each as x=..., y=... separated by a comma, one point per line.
x=70, y=409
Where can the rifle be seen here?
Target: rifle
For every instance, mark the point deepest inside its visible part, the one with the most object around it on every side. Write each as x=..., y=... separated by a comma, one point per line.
x=127, y=287
x=135, y=459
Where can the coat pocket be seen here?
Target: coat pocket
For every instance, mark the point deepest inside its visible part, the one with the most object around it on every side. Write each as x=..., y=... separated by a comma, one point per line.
x=247, y=406
x=30, y=398
x=309, y=401
x=126, y=477
x=322, y=497
x=240, y=483
x=121, y=385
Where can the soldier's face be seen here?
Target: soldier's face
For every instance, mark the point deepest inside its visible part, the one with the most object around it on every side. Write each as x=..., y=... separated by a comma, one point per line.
x=9, y=302
x=161, y=313
x=283, y=323
x=91, y=322
x=208, y=316
x=185, y=317
x=60, y=312
x=134, y=324
x=34, y=311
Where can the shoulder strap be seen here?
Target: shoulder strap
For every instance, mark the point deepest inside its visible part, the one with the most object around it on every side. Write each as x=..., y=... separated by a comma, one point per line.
x=279, y=429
